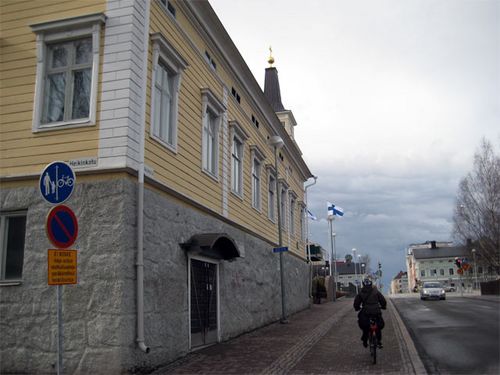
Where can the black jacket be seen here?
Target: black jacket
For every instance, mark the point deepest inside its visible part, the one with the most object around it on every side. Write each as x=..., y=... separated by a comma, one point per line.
x=370, y=300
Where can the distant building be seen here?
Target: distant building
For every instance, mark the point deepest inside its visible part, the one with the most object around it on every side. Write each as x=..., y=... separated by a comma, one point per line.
x=399, y=284
x=435, y=261
x=350, y=273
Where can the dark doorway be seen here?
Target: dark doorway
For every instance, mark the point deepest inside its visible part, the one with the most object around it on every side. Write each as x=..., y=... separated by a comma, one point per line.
x=203, y=303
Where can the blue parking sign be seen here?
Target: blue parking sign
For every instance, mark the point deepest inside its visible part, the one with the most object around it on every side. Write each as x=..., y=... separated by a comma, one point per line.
x=57, y=182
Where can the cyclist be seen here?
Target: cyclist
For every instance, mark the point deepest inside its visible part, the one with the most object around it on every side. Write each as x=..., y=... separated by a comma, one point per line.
x=370, y=301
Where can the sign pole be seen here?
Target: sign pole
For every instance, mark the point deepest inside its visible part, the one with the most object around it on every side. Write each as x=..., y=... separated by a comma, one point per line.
x=59, y=331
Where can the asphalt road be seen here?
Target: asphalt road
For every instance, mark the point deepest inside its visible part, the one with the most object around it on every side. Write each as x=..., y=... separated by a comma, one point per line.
x=456, y=336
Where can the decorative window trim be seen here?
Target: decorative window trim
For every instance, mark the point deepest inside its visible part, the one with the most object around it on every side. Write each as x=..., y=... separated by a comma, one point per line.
x=256, y=155
x=59, y=31
x=209, y=102
x=237, y=132
x=292, y=201
x=303, y=220
x=283, y=190
x=164, y=52
x=271, y=205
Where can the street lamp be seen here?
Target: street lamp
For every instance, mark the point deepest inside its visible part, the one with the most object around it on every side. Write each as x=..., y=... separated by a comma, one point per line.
x=475, y=268
x=308, y=245
x=277, y=143
x=355, y=272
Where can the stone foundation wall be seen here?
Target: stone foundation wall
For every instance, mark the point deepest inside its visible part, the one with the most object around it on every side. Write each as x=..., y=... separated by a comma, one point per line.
x=100, y=311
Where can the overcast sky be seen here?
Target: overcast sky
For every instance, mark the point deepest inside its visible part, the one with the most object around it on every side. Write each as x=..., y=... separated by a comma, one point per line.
x=391, y=99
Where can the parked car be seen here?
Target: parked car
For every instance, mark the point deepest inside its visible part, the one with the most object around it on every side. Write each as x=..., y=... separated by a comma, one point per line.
x=449, y=289
x=432, y=290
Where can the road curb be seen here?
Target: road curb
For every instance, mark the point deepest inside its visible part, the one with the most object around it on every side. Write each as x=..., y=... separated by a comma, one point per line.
x=412, y=361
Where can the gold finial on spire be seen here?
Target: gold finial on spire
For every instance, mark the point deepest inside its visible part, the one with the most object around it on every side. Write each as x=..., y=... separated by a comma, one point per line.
x=270, y=60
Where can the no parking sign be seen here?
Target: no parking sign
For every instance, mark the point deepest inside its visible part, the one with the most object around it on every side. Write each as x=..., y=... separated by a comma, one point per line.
x=62, y=226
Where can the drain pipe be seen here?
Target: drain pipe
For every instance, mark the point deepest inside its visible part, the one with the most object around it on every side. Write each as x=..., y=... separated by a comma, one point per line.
x=140, y=193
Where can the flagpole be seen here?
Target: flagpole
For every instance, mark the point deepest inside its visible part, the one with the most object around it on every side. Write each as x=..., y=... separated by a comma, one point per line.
x=330, y=219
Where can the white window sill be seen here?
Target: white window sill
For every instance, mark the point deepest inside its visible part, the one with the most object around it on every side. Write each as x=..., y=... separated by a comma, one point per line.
x=211, y=175
x=168, y=146
x=10, y=282
x=63, y=125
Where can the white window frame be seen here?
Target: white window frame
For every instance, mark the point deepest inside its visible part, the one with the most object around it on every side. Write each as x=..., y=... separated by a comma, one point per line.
x=4, y=226
x=165, y=55
x=303, y=221
x=211, y=106
x=271, y=194
x=283, y=190
x=291, y=210
x=61, y=31
x=256, y=162
x=239, y=135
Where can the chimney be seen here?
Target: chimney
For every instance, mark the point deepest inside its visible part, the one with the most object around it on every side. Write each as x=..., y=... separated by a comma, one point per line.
x=433, y=245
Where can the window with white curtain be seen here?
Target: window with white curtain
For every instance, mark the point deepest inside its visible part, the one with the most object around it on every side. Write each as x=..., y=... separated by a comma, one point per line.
x=168, y=66
x=212, y=113
x=67, y=71
x=271, y=199
x=237, y=166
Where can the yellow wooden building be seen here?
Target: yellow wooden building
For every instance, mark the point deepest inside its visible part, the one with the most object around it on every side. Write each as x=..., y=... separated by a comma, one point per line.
x=175, y=148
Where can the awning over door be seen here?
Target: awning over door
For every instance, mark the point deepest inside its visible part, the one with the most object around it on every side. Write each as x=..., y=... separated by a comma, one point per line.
x=212, y=245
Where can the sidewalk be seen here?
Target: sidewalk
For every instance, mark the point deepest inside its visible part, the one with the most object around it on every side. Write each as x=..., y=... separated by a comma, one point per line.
x=324, y=339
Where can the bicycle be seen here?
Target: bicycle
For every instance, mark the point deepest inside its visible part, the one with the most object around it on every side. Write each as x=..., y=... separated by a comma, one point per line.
x=373, y=342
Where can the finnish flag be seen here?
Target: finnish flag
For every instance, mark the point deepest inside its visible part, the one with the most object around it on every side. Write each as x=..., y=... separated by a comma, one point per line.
x=334, y=210
x=311, y=216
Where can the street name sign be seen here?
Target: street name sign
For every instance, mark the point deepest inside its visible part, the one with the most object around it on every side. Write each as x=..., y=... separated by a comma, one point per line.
x=57, y=182
x=62, y=226
x=62, y=267
x=280, y=249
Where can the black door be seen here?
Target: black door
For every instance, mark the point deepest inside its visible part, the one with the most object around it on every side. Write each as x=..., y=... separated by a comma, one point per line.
x=203, y=303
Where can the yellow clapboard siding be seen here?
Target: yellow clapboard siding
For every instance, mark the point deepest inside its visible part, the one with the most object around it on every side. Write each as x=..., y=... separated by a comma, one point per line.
x=40, y=139
x=9, y=99
x=8, y=83
x=40, y=13
x=18, y=90
x=23, y=149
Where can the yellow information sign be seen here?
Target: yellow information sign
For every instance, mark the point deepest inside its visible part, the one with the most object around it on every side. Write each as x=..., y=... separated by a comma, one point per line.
x=62, y=267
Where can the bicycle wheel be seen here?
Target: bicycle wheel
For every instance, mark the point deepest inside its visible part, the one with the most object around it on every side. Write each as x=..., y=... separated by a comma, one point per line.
x=373, y=347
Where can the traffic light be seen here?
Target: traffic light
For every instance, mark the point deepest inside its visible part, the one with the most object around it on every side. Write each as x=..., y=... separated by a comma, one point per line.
x=458, y=262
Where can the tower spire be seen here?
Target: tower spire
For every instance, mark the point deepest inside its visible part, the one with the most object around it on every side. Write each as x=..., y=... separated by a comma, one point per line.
x=270, y=60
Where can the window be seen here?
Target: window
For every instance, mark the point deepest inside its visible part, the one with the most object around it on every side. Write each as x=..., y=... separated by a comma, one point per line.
x=292, y=215
x=441, y=272
x=210, y=60
x=257, y=158
x=67, y=72
x=282, y=207
x=12, y=232
x=237, y=166
x=239, y=136
x=479, y=269
x=256, y=183
x=212, y=110
x=271, y=199
x=302, y=224
x=235, y=94
x=255, y=121
x=451, y=272
x=167, y=5
x=433, y=272
x=422, y=273
x=166, y=79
